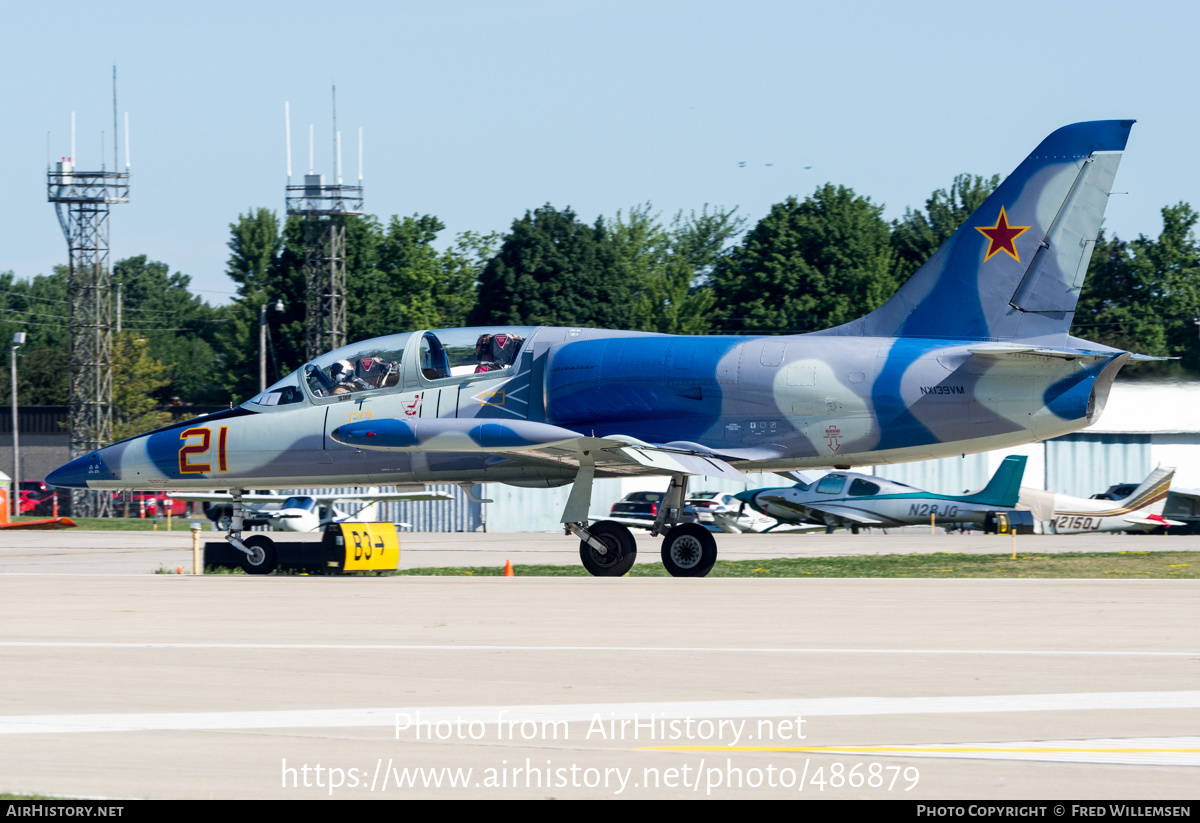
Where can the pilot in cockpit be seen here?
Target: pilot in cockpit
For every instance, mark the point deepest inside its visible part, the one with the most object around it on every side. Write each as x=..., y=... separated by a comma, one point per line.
x=344, y=379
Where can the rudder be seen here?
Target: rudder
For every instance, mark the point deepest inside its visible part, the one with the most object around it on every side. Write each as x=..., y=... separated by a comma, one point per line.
x=1014, y=269
x=1005, y=486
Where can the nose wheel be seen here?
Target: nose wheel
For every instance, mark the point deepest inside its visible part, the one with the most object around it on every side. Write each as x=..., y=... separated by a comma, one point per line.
x=260, y=556
x=689, y=550
x=620, y=550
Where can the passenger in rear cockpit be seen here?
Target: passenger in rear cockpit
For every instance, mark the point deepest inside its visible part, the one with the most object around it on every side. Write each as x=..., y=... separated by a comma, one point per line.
x=496, y=351
x=376, y=372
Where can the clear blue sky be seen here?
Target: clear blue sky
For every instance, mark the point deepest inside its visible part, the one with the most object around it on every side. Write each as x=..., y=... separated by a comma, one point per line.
x=477, y=111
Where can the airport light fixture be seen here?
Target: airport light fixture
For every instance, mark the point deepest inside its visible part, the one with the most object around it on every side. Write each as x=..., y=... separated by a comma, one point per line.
x=17, y=342
x=262, y=342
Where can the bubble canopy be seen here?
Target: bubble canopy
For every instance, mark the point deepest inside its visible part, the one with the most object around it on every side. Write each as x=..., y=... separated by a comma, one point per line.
x=360, y=367
x=377, y=365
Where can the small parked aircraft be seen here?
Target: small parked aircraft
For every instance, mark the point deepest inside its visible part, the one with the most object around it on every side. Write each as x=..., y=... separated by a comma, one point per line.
x=301, y=512
x=851, y=500
x=1140, y=510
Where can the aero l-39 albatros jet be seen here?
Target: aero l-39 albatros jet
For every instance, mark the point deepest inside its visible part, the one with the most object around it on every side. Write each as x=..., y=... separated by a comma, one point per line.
x=972, y=353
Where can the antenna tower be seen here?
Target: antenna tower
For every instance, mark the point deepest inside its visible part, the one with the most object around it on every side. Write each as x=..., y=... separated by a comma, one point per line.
x=324, y=208
x=82, y=199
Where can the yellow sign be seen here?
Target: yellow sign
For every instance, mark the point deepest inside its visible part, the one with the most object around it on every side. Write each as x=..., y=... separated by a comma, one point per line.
x=370, y=546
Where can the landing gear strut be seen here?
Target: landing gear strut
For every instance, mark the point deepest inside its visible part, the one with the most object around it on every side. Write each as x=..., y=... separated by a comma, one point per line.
x=608, y=549
x=258, y=550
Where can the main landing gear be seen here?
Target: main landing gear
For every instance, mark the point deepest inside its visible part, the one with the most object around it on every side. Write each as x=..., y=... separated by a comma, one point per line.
x=608, y=548
x=258, y=550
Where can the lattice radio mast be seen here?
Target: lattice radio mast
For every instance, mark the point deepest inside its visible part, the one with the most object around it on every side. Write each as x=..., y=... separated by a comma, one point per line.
x=324, y=208
x=86, y=196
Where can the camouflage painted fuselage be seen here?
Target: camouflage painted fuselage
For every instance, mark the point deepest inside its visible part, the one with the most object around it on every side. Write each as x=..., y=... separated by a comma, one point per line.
x=804, y=401
x=972, y=353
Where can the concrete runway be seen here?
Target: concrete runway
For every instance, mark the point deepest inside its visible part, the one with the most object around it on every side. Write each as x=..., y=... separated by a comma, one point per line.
x=130, y=684
x=77, y=551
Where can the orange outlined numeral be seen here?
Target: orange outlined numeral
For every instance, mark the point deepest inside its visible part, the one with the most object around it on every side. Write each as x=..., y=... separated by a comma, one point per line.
x=187, y=467
x=188, y=450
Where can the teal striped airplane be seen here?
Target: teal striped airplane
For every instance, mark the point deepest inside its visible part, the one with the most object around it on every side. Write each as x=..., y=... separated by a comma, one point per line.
x=851, y=500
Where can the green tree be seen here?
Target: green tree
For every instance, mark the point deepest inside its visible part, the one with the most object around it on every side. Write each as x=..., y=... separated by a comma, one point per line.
x=254, y=248
x=410, y=284
x=807, y=265
x=919, y=234
x=552, y=269
x=1143, y=296
x=179, y=328
x=670, y=267
x=137, y=380
x=267, y=266
x=38, y=307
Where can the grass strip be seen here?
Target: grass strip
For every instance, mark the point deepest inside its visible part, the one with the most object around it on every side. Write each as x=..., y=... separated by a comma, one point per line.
x=1092, y=565
x=131, y=524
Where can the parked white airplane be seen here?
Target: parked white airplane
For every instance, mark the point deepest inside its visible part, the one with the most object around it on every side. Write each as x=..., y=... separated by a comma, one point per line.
x=1140, y=511
x=303, y=513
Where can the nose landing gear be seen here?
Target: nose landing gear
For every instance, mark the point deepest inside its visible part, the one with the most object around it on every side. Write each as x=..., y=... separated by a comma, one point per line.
x=258, y=550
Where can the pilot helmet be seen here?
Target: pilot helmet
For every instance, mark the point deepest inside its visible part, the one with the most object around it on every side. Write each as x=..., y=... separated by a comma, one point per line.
x=341, y=370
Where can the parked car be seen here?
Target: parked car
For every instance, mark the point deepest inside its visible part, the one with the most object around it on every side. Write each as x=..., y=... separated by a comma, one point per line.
x=638, y=506
x=723, y=511
x=38, y=499
x=156, y=504
x=643, y=507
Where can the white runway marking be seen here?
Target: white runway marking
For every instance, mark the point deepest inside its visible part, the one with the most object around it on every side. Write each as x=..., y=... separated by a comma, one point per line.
x=586, y=712
x=50, y=644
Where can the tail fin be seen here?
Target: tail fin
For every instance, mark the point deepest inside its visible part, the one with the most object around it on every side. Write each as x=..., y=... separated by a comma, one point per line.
x=1151, y=496
x=1014, y=269
x=1004, y=487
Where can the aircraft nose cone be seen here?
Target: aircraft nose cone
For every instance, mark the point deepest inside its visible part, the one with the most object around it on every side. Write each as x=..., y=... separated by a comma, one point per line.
x=746, y=496
x=74, y=475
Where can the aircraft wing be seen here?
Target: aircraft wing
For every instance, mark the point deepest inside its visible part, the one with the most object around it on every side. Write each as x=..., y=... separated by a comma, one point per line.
x=845, y=513
x=538, y=443
x=367, y=497
x=382, y=497
x=210, y=497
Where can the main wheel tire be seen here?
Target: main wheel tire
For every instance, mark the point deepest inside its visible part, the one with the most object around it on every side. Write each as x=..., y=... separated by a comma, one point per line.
x=263, y=558
x=622, y=550
x=689, y=550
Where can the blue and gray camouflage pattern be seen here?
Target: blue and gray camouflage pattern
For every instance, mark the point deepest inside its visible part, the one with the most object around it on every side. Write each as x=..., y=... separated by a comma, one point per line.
x=973, y=353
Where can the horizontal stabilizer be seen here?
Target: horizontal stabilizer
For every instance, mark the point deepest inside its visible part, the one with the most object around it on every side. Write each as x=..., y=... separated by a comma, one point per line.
x=1001, y=351
x=1153, y=520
